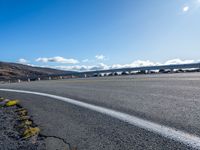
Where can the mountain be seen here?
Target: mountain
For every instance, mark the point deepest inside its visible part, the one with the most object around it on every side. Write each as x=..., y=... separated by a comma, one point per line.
x=15, y=70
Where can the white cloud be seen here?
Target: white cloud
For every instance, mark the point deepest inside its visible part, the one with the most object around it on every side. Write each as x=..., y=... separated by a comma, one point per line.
x=100, y=66
x=178, y=61
x=185, y=8
x=192, y=5
x=100, y=57
x=74, y=68
x=137, y=63
x=22, y=61
x=58, y=59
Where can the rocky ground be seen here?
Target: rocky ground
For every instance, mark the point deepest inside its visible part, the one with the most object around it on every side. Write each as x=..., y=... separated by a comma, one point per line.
x=12, y=131
x=19, y=132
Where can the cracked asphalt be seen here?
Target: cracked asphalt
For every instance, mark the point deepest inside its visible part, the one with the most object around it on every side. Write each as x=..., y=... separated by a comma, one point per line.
x=169, y=99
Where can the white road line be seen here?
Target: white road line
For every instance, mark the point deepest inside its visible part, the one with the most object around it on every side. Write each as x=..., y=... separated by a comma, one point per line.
x=168, y=132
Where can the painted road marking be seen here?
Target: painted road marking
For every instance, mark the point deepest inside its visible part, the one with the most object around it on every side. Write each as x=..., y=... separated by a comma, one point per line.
x=168, y=132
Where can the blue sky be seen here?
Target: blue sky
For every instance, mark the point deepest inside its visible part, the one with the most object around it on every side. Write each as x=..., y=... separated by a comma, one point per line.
x=78, y=34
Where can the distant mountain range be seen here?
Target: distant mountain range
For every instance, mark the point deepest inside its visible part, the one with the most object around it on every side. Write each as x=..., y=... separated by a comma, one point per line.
x=15, y=70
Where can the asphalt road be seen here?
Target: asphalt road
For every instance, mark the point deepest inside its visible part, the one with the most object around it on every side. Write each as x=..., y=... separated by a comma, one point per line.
x=170, y=99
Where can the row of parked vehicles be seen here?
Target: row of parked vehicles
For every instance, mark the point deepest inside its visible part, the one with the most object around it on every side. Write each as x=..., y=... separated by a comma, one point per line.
x=146, y=72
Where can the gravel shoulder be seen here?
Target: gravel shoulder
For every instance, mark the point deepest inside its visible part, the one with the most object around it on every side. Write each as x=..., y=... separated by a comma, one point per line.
x=18, y=130
x=11, y=132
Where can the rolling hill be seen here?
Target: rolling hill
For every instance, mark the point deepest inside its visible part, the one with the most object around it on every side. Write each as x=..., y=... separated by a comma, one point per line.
x=15, y=70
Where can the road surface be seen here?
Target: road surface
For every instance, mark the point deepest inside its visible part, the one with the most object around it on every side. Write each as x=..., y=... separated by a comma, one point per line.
x=171, y=100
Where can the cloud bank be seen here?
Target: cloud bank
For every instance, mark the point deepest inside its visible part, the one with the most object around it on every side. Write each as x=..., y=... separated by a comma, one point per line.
x=137, y=63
